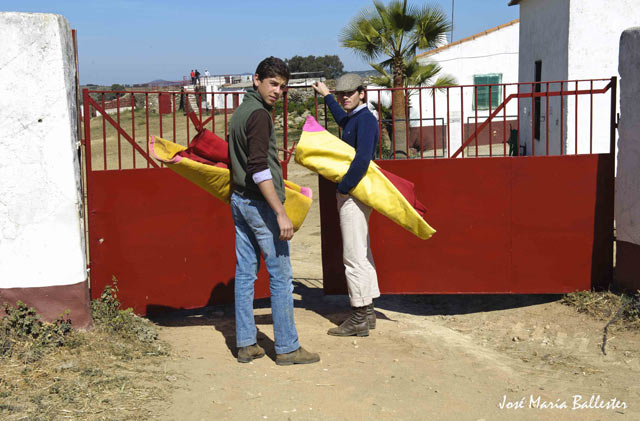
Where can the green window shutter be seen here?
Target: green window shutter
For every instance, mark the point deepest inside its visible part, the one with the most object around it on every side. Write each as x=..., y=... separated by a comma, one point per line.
x=483, y=91
x=496, y=91
x=480, y=100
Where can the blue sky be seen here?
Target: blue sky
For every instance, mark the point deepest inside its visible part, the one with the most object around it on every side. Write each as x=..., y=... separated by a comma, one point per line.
x=139, y=41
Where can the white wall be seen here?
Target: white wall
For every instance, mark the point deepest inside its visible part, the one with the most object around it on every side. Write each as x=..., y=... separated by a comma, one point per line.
x=544, y=36
x=41, y=238
x=576, y=40
x=492, y=53
x=217, y=99
x=627, y=190
x=594, y=35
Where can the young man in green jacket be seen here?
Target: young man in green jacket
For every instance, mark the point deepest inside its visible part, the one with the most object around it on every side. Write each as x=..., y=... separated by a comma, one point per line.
x=261, y=223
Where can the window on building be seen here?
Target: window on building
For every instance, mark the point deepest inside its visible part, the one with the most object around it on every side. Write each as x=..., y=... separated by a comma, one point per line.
x=481, y=95
x=538, y=78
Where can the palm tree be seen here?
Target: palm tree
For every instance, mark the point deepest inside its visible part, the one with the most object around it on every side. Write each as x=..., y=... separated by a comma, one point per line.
x=396, y=32
x=415, y=74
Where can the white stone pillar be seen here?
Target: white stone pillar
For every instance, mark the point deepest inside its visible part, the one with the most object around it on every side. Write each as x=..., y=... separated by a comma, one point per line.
x=42, y=256
x=628, y=178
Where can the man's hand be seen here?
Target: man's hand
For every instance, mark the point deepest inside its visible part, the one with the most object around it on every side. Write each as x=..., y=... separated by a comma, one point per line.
x=284, y=223
x=343, y=196
x=286, y=227
x=321, y=88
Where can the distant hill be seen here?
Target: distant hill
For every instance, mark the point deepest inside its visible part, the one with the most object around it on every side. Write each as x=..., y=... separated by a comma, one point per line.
x=365, y=73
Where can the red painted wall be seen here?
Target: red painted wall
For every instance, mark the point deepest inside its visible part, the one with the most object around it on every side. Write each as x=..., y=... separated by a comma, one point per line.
x=499, y=134
x=505, y=225
x=164, y=103
x=169, y=243
x=500, y=131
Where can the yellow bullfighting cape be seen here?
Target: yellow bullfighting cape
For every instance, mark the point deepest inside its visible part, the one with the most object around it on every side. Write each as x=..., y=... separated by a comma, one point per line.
x=205, y=165
x=392, y=196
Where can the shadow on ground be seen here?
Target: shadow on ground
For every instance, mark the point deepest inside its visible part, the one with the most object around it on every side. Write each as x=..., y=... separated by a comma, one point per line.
x=308, y=294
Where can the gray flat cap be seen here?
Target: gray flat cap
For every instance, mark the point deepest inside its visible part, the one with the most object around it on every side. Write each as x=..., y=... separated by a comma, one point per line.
x=348, y=82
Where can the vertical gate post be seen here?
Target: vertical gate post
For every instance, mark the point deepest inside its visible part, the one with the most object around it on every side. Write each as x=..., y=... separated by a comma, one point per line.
x=87, y=130
x=627, y=206
x=612, y=128
x=612, y=154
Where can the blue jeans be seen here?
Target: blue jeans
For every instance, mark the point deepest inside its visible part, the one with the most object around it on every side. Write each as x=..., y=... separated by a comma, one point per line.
x=257, y=230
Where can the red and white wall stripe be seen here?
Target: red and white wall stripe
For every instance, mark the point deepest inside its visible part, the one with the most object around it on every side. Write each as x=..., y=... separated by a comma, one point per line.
x=42, y=251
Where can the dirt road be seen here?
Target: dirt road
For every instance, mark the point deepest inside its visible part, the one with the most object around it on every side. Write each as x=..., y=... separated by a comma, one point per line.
x=431, y=357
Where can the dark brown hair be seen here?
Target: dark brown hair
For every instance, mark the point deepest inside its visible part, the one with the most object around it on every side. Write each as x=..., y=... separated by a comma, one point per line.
x=272, y=67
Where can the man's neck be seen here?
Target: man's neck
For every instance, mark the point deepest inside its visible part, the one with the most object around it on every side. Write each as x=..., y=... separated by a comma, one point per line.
x=355, y=110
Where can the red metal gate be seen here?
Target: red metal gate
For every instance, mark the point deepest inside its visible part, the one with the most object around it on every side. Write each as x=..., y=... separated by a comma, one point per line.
x=515, y=224
x=505, y=223
x=169, y=244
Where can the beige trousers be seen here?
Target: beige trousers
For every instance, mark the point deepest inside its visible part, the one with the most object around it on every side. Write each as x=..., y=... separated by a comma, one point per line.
x=362, y=280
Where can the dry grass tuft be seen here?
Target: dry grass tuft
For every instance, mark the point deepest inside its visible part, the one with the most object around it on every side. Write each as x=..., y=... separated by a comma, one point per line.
x=112, y=372
x=604, y=305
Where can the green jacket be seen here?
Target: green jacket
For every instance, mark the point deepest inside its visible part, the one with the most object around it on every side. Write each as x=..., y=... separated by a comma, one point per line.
x=239, y=151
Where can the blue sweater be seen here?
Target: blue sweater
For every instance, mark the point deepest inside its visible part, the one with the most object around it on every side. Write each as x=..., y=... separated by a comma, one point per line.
x=359, y=130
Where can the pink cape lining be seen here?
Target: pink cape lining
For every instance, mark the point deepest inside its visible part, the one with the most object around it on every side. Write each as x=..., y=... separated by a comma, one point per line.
x=405, y=187
x=311, y=125
x=306, y=191
x=176, y=158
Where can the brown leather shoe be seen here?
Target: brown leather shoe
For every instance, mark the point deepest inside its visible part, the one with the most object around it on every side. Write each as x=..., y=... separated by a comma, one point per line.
x=371, y=316
x=246, y=354
x=356, y=324
x=299, y=356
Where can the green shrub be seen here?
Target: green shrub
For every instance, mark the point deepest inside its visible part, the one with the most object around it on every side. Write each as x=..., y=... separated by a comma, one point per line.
x=105, y=308
x=108, y=316
x=25, y=335
x=22, y=325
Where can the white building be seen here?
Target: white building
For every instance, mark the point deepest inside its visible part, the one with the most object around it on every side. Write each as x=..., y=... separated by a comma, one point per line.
x=571, y=40
x=489, y=57
x=232, y=85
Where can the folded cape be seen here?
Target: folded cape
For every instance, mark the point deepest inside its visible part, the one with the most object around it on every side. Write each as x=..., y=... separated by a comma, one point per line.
x=389, y=194
x=205, y=163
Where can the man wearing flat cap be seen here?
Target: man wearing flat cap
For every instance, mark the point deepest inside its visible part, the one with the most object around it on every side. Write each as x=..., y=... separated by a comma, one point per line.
x=360, y=130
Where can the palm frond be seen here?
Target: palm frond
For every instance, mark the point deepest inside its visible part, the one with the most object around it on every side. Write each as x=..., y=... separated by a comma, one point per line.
x=363, y=36
x=387, y=64
x=400, y=16
x=384, y=79
x=445, y=80
x=395, y=31
x=380, y=69
x=431, y=28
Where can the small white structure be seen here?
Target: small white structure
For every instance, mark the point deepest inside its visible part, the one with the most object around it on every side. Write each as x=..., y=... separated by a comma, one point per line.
x=220, y=80
x=571, y=40
x=232, y=85
x=42, y=254
x=305, y=78
x=489, y=57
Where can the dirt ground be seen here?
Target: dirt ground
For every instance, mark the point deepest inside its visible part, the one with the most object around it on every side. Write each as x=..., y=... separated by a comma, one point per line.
x=431, y=357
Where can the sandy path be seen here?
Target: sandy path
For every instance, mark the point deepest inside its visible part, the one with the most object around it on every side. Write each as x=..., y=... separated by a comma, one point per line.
x=431, y=357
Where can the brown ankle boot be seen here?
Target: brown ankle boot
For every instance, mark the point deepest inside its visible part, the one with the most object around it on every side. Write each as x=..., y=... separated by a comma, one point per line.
x=246, y=354
x=355, y=325
x=371, y=316
x=299, y=356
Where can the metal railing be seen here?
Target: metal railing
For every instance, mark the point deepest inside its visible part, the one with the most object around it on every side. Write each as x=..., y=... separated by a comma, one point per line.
x=543, y=118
